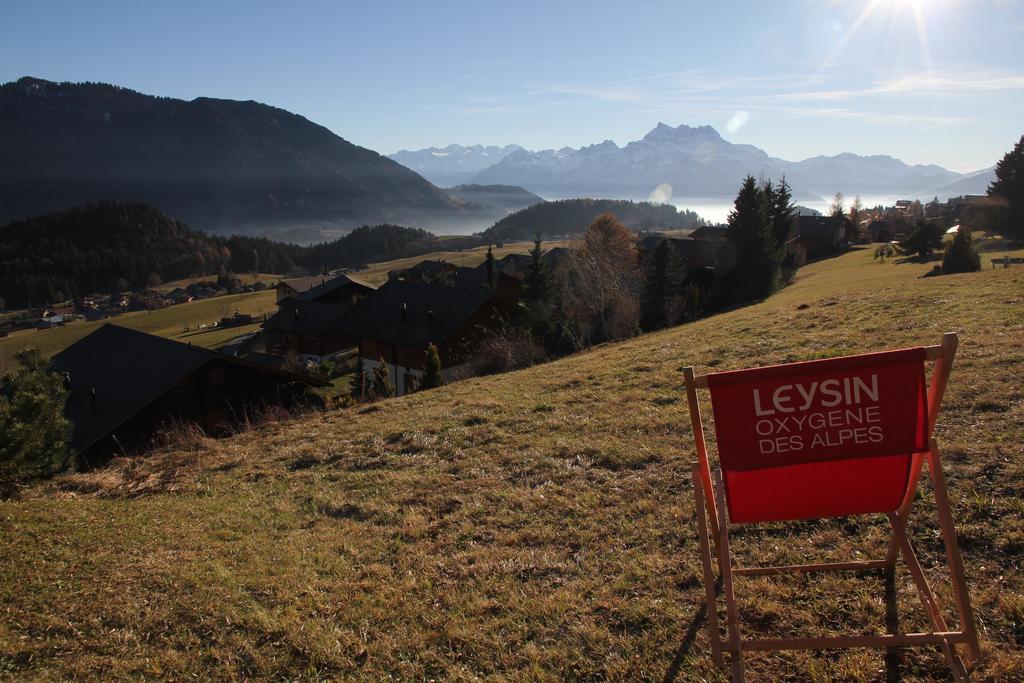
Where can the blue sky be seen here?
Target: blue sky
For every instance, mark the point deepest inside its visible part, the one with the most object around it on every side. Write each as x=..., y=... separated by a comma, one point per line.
x=929, y=81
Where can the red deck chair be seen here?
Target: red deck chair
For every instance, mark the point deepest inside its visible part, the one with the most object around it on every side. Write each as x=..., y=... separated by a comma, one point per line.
x=818, y=439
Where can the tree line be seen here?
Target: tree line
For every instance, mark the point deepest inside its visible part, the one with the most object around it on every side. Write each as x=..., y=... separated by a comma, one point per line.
x=609, y=289
x=571, y=216
x=112, y=246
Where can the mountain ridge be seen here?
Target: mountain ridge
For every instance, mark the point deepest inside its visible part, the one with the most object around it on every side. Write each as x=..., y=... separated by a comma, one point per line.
x=217, y=164
x=697, y=162
x=454, y=164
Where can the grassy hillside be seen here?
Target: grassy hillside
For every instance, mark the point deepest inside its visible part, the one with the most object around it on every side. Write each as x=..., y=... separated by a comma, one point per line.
x=167, y=322
x=532, y=525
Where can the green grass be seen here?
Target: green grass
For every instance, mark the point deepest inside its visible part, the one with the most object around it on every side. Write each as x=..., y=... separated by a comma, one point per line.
x=534, y=525
x=246, y=278
x=167, y=322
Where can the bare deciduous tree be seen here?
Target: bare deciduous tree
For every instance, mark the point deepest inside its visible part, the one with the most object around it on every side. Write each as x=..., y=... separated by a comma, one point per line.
x=601, y=283
x=837, y=205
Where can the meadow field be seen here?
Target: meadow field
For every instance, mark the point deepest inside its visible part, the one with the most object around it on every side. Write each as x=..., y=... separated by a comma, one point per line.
x=167, y=322
x=537, y=525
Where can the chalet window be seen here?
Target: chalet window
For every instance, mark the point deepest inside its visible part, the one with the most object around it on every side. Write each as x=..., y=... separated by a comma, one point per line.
x=217, y=377
x=182, y=387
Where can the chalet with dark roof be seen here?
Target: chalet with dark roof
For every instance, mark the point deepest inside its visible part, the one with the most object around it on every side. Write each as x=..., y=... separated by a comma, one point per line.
x=402, y=318
x=513, y=265
x=310, y=329
x=822, y=235
x=424, y=271
x=124, y=385
x=711, y=232
x=292, y=287
x=444, y=273
x=340, y=289
x=556, y=257
x=343, y=288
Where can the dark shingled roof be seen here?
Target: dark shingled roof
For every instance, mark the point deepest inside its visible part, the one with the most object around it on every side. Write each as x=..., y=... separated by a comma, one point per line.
x=556, y=256
x=303, y=284
x=514, y=265
x=334, y=284
x=379, y=316
x=518, y=260
x=819, y=226
x=307, y=317
x=129, y=370
x=710, y=232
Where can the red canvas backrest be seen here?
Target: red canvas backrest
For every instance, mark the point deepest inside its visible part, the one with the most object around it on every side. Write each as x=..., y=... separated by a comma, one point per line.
x=821, y=438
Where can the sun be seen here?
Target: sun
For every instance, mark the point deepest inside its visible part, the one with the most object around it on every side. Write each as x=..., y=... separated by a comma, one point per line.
x=893, y=12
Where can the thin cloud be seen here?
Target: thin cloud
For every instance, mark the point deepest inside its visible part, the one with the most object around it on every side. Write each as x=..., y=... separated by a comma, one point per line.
x=667, y=87
x=474, y=111
x=947, y=84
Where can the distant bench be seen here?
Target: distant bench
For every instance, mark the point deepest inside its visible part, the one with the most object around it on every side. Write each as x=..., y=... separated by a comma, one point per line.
x=1006, y=261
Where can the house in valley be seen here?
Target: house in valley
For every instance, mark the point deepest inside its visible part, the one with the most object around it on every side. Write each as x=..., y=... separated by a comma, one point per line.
x=292, y=287
x=514, y=265
x=402, y=318
x=424, y=271
x=710, y=232
x=556, y=257
x=506, y=286
x=822, y=235
x=125, y=385
x=339, y=289
x=308, y=323
x=310, y=329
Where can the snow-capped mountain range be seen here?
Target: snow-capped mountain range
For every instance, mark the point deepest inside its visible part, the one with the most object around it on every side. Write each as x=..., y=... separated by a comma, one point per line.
x=454, y=164
x=682, y=161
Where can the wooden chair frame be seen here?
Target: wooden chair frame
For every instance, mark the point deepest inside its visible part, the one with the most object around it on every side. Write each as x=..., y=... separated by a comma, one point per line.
x=713, y=537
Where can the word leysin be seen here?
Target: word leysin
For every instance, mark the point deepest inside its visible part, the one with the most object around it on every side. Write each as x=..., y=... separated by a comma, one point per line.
x=819, y=414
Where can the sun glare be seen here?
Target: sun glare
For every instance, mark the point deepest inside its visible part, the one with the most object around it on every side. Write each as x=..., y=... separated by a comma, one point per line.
x=893, y=12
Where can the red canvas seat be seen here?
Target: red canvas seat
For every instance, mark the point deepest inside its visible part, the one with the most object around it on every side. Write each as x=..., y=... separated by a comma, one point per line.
x=819, y=439
x=817, y=490
x=824, y=438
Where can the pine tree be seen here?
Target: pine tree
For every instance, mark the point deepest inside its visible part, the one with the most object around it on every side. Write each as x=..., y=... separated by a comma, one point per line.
x=380, y=385
x=1009, y=186
x=35, y=431
x=923, y=239
x=537, y=286
x=492, y=276
x=781, y=212
x=359, y=380
x=652, y=303
x=432, y=375
x=961, y=256
x=754, y=269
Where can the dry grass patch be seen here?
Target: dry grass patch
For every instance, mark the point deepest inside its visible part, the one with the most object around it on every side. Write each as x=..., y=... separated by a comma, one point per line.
x=534, y=525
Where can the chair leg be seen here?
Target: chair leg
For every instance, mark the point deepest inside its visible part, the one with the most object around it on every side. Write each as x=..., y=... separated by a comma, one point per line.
x=928, y=600
x=956, y=566
x=725, y=564
x=709, y=575
x=904, y=512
